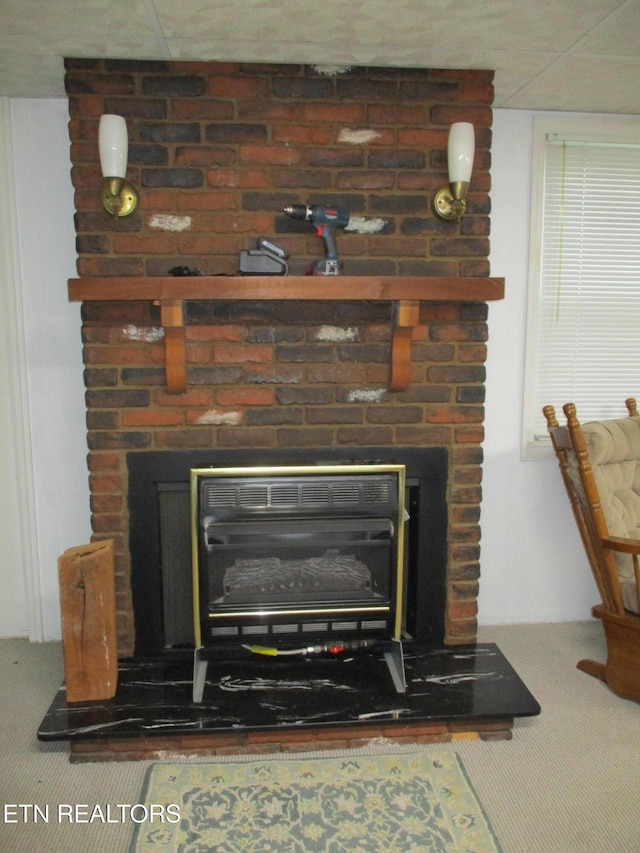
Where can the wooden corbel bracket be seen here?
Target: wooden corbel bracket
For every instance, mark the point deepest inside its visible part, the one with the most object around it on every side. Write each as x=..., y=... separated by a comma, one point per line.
x=406, y=316
x=172, y=320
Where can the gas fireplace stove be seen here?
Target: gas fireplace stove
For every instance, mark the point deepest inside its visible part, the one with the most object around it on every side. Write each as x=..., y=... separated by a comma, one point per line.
x=295, y=560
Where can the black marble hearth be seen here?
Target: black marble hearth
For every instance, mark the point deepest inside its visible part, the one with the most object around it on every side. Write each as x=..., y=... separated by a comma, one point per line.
x=462, y=684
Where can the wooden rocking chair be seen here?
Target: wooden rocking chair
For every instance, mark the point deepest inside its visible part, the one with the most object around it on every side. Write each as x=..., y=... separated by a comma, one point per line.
x=600, y=466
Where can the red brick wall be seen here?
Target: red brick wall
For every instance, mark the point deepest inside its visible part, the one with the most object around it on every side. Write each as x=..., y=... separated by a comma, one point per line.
x=223, y=147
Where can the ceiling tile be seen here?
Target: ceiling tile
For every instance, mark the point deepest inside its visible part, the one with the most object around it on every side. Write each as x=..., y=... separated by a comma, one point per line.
x=70, y=17
x=548, y=54
x=442, y=25
x=584, y=84
x=619, y=35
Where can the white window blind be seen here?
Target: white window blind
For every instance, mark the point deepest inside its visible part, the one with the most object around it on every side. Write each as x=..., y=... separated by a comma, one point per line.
x=587, y=329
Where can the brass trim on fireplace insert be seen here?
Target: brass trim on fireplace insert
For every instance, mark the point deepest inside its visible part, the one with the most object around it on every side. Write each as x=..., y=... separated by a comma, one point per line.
x=294, y=470
x=305, y=611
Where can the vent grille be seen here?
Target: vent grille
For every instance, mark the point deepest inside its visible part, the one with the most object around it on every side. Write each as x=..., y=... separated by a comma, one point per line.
x=312, y=492
x=219, y=495
x=253, y=495
x=289, y=628
x=346, y=493
x=315, y=493
x=284, y=495
x=377, y=492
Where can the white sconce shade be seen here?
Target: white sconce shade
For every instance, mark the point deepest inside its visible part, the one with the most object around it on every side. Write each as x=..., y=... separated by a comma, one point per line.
x=461, y=149
x=114, y=146
x=118, y=197
x=451, y=202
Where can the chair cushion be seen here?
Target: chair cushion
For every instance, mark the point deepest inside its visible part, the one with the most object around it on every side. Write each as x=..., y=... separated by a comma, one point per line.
x=613, y=441
x=614, y=454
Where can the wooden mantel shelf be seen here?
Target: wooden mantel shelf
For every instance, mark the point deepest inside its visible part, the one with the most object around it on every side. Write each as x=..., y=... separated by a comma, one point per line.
x=170, y=292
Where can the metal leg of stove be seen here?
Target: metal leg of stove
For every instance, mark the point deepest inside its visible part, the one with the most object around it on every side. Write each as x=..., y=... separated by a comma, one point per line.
x=199, y=674
x=395, y=661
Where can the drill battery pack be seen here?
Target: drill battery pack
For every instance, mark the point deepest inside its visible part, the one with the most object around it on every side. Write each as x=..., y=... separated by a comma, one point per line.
x=267, y=259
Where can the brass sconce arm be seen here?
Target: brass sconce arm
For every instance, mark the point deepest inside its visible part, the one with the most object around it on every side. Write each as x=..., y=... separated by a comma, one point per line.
x=119, y=198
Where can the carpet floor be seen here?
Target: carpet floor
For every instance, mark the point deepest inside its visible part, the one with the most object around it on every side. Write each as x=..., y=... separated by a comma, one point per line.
x=568, y=782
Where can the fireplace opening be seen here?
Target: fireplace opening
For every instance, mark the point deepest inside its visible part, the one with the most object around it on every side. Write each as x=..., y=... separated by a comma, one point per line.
x=289, y=552
x=397, y=583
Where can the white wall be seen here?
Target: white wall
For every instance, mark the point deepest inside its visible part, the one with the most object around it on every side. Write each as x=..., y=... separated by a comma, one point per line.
x=533, y=569
x=533, y=565
x=16, y=564
x=46, y=237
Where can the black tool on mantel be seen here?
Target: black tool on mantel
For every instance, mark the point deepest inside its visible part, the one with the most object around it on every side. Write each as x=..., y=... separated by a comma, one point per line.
x=267, y=259
x=183, y=270
x=325, y=219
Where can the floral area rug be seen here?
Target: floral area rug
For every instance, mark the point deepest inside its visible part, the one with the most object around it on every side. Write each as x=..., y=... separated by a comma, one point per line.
x=384, y=803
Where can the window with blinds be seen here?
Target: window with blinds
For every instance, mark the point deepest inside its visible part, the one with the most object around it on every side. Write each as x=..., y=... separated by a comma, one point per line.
x=584, y=286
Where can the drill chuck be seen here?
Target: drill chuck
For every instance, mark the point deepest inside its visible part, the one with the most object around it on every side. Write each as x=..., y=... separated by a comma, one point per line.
x=298, y=211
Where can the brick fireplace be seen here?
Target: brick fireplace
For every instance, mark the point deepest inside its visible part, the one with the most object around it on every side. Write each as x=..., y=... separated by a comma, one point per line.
x=216, y=151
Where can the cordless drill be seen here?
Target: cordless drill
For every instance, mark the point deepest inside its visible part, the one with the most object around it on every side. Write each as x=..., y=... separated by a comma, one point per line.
x=325, y=220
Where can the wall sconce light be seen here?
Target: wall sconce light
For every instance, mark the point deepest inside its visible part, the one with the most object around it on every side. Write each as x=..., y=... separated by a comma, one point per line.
x=118, y=197
x=450, y=202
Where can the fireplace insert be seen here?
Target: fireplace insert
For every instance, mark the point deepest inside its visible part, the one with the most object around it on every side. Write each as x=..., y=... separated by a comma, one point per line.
x=300, y=558
x=160, y=538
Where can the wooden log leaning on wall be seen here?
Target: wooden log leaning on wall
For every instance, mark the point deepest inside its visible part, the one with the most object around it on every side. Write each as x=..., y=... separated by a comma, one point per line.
x=88, y=611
